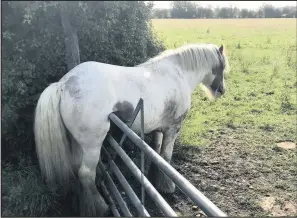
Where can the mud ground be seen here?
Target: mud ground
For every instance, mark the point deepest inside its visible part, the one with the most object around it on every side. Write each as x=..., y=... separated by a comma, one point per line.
x=242, y=180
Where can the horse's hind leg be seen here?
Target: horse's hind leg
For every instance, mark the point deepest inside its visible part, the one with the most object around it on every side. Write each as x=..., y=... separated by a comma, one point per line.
x=161, y=181
x=91, y=202
x=76, y=162
x=156, y=145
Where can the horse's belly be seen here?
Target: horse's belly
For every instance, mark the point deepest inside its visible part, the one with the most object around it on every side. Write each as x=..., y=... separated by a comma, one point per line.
x=151, y=122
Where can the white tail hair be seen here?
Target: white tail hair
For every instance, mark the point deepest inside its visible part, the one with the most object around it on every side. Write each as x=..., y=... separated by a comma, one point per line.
x=52, y=143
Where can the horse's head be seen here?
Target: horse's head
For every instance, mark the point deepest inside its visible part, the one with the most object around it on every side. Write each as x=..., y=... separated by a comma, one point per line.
x=214, y=79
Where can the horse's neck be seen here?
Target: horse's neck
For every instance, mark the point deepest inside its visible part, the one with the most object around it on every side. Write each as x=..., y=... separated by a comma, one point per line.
x=194, y=78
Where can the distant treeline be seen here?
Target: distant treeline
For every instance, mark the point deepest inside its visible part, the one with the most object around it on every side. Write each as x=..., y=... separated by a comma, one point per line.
x=192, y=10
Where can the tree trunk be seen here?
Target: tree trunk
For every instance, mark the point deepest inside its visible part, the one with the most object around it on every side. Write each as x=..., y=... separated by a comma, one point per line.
x=71, y=40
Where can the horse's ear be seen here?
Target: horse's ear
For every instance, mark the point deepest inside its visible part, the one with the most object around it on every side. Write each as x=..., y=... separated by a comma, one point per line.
x=221, y=49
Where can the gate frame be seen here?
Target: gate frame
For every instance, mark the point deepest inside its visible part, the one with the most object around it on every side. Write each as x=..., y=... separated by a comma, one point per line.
x=209, y=208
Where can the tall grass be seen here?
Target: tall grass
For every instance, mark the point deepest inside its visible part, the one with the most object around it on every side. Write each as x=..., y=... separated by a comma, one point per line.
x=24, y=193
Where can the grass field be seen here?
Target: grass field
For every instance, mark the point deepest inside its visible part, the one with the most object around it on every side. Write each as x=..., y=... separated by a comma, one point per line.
x=241, y=130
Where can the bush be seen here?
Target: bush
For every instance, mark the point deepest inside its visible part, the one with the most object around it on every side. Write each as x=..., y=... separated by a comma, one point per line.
x=34, y=53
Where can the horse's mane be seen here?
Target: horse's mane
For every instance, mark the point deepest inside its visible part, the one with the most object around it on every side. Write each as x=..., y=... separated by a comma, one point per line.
x=191, y=57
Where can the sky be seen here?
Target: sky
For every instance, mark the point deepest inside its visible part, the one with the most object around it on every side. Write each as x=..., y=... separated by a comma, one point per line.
x=238, y=4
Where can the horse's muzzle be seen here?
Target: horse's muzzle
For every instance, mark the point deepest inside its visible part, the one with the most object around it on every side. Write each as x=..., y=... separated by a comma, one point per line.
x=219, y=92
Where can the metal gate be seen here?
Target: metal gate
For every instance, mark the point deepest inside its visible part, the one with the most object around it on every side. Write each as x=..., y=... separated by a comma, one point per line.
x=113, y=195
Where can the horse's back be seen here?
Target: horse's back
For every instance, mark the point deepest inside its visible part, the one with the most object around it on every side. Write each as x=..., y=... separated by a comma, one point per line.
x=93, y=70
x=94, y=90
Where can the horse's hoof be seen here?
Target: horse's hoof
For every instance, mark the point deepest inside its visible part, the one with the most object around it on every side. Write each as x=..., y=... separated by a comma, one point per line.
x=105, y=212
x=102, y=209
x=95, y=210
x=161, y=181
x=93, y=205
x=109, y=213
x=166, y=188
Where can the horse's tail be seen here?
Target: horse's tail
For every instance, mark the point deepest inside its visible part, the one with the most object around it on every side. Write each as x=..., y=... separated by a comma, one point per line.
x=52, y=143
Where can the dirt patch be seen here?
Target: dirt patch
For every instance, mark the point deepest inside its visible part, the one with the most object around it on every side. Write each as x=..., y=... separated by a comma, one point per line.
x=275, y=208
x=287, y=145
x=268, y=203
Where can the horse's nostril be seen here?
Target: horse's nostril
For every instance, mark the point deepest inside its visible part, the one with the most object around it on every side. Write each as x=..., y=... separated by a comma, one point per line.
x=221, y=90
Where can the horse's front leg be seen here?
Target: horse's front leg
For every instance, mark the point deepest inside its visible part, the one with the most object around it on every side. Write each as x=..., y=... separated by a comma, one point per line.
x=162, y=182
x=156, y=143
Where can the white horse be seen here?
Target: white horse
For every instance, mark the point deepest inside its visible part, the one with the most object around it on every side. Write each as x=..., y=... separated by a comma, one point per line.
x=71, y=119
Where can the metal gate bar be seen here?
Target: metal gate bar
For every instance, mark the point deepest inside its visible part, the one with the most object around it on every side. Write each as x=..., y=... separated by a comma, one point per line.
x=142, y=153
x=110, y=201
x=131, y=194
x=113, y=189
x=150, y=189
x=195, y=195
